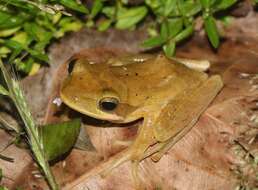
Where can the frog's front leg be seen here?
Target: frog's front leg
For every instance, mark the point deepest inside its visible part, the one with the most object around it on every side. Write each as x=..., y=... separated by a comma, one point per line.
x=180, y=115
x=143, y=141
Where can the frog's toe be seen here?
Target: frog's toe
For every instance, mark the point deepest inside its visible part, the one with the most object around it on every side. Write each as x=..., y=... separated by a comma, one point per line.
x=157, y=156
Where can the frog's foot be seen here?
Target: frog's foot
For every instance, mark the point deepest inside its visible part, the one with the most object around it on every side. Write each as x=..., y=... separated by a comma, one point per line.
x=162, y=148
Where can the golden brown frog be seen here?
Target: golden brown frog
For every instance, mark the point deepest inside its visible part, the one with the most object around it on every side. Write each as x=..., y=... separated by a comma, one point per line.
x=169, y=94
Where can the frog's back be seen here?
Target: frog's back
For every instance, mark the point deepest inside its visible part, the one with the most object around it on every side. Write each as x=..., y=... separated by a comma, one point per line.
x=155, y=79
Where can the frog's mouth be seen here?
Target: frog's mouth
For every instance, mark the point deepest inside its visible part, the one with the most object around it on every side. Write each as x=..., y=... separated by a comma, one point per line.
x=89, y=107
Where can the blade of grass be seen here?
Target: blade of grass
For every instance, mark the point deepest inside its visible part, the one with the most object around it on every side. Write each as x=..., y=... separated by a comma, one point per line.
x=16, y=94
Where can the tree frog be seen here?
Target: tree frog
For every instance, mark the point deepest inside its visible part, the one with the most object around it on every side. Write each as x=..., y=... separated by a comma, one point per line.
x=168, y=94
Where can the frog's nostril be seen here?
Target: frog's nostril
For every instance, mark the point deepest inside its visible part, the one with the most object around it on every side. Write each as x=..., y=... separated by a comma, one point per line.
x=108, y=103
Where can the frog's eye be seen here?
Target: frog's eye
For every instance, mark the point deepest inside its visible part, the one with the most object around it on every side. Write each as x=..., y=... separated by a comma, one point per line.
x=108, y=103
x=71, y=66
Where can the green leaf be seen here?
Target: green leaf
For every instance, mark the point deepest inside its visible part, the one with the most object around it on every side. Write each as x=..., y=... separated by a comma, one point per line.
x=205, y=3
x=109, y=11
x=127, y=18
x=169, y=6
x=154, y=4
x=16, y=48
x=58, y=139
x=96, y=8
x=184, y=33
x=9, y=32
x=211, y=30
x=170, y=28
x=38, y=55
x=37, y=32
x=190, y=8
x=104, y=25
x=56, y=17
x=153, y=42
x=90, y=23
x=22, y=38
x=40, y=46
x=174, y=26
x=169, y=48
x=3, y=91
x=23, y=6
x=164, y=30
x=67, y=24
x=10, y=21
x=72, y=4
x=26, y=65
x=224, y=4
x=152, y=31
x=4, y=51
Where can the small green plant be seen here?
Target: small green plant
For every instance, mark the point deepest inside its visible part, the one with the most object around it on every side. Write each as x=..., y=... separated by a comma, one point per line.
x=176, y=19
x=28, y=27
x=173, y=20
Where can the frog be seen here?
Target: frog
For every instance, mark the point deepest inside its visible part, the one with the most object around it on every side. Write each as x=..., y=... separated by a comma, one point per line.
x=167, y=94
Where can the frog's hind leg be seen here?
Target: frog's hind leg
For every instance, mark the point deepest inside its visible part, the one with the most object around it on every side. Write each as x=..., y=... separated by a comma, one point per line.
x=135, y=152
x=186, y=110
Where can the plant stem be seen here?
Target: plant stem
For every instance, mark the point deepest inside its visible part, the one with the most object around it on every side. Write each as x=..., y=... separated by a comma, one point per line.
x=35, y=140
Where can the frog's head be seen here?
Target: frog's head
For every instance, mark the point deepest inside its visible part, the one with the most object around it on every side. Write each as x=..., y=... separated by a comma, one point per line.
x=92, y=90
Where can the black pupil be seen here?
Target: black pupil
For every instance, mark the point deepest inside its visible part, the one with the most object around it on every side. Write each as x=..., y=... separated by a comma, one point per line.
x=71, y=66
x=108, y=105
